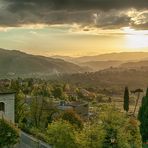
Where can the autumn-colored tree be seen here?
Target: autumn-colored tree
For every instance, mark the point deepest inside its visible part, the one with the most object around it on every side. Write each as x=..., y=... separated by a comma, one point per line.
x=73, y=118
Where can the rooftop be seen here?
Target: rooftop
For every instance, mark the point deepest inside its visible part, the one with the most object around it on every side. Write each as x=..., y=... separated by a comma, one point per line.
x=73, y=103
x=7, y=92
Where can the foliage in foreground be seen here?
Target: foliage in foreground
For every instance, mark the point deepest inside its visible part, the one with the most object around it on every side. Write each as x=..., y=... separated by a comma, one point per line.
x=110, y=129
x=121, y=131
x=8, y=134
x=61, y=134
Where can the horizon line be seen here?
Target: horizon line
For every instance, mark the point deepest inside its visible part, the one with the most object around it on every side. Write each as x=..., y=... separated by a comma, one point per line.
x=70, y=56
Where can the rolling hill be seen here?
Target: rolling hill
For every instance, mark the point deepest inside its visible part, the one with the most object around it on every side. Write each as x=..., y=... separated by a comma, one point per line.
x=122, y=56
x=100, y=65
x=104, y=61
x=112, y=79
x=14, y=62
x=139, y=64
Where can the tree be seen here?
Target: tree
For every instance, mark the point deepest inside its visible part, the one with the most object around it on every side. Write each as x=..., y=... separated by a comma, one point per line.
x=38, y=111
x=126, y=99
x=8, y=134
x=143, y=118
x=111, y=129
x=61, y=134
x=131, y=128
x=91, y=136
x=121, y=131
x=40, y=106
x=15, y=85
x=58, y=92
x=73, y=118
x=20, y=107
x=147, y=92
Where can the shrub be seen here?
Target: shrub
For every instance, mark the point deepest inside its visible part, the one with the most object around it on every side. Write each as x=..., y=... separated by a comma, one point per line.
x=8, y=134
x=73, y=118
x=61, y=134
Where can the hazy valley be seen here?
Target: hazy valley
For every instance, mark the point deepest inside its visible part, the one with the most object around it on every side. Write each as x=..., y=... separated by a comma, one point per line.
x=103, y=72
x=73, y=73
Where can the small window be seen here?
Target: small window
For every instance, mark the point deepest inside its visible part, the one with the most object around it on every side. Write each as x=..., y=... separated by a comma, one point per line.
x=2, y=106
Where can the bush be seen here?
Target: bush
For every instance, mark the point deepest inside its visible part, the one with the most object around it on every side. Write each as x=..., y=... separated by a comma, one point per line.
x=8, y=134
x=62, y=135
x=73, y=118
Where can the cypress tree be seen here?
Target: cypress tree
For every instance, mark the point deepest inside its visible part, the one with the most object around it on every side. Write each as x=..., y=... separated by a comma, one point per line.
x=143, y=118
x=147, y=92
x=126, y=99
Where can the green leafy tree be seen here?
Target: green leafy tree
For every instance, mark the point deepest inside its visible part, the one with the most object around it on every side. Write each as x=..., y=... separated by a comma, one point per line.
x=126, y=99
x=30, y=82
x=58, y=92
x=8, y=134
x=15, y=85
x=80, y=94
x=37, y=112
x=121, y=131
x=113, y=122
x=62, y=135
x=40, y=106
x=91, y=136
x=143, y=118
x=132, y=130
x=20, y=107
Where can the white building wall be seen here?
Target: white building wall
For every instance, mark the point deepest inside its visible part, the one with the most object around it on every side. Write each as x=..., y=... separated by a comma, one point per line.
x=9, y=101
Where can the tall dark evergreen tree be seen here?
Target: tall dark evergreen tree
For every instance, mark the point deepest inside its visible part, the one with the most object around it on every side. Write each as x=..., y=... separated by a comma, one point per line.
x=147, y=92
x=143, y=118
x=126, y=99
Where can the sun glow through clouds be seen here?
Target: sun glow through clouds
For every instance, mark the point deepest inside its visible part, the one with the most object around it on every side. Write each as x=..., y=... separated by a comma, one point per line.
x=135, y=39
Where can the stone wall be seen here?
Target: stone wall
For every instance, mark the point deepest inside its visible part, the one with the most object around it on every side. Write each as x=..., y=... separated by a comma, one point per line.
x=27, y=141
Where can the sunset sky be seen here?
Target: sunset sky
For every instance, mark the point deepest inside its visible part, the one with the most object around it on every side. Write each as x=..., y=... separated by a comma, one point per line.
x=74, y=27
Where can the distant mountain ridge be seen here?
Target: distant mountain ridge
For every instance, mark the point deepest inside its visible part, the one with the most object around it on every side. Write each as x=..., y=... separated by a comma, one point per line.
x=113, y=79
x=122, y=56
x=100, y=65
x=139, y=64
x=105, y=61
x=16, y=62
x=13, y=62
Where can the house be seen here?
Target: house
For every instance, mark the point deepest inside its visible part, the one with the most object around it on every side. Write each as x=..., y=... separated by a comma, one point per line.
x=7, y=106
x=81, y=108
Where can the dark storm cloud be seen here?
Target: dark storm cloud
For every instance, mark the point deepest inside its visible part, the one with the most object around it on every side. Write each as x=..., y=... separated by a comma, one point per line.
x=113, y=19
x=79, y=4
x=100, y=13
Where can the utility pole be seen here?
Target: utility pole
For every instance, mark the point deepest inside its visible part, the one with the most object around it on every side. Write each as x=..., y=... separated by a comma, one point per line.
x=138, y=91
